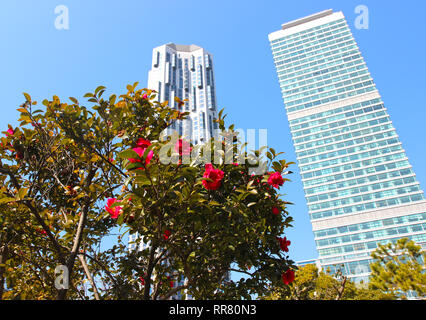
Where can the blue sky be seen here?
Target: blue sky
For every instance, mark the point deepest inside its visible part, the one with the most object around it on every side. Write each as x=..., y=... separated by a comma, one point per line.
x=110, y=43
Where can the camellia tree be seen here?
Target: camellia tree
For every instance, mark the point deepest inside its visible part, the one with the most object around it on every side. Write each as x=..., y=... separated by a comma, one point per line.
x=73, y=175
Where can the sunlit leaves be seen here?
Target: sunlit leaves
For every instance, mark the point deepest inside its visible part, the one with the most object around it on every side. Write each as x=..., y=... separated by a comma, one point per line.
x=73, y=158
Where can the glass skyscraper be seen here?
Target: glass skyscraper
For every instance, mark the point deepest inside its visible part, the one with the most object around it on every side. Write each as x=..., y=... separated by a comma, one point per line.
x=359, y=185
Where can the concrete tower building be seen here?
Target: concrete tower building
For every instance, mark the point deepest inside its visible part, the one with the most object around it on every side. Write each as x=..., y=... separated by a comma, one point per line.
x=186, y=72
x=359, y=185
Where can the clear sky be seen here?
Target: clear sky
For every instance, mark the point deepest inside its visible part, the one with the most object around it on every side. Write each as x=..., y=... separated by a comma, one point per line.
x=110, y=43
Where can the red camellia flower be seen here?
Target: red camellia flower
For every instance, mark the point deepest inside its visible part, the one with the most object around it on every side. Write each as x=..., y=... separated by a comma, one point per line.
x=142, y=280
x=171, y=282
x=275, y=210
x=145, y=96
x=276, y=180
x=167, y=234
x=215, y=175
x=141, y=146
x=10, y=132
x=114, y=212
x=284, y=243
x=183, y=147
x=288, y=276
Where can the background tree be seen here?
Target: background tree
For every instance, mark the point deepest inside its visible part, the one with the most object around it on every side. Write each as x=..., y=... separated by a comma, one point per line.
x=312, y=284
x=398, y=269
x=73, y=175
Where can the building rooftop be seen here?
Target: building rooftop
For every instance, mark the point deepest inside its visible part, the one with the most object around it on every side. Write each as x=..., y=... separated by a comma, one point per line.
x=184, y=47
x=306, y=19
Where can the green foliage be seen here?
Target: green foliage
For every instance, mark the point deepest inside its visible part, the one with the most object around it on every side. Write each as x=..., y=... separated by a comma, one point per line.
x=312, y=284
x=399, y=268
x=61, y=165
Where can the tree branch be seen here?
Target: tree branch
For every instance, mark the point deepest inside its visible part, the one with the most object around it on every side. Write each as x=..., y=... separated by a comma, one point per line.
x=89, y=276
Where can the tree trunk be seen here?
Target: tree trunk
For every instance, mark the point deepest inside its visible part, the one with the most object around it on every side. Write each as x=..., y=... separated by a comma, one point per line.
x=3, y=258
x=341, y=289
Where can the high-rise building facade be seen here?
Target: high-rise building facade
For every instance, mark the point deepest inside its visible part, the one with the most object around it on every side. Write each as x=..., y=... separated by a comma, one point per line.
x=186, y=72
x=359, y=185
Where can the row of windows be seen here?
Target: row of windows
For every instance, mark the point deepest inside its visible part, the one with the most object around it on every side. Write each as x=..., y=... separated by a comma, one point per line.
x=312, y=43
x=295, y=44
x=341, y=130
x=323, y=45
x=337, y=114
x=300, y=37
x=343, y=152
x=371, y=245
x=372, y=235
x=316, y=64
x=328, y=79
x=345, y=257
x=349, y=91
x=360, y=266
x=346, y=143
x=340, y=123
x=364, y=197
x=370, y=225
x=358, y=181
x=318, y=68
x=362, y=189
x=304, y=65
x=324, y=75
x=351, y=268
x=350, y=166
x=328, y=113
x=367, y=206
x=343, y=39
x=339, y=81
x=361, y=172
x=352, y=135
x=334, y=98
x=339, y=134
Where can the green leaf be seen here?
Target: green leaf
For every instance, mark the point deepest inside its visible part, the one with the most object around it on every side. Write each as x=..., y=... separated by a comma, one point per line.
x=191, y=256
x=22, y=193
x=277, y=166
x=74, y=100
x=23, y=110
x=98, y=89
x=112, y=99
x=25, y=118
x=7, y=200
x=27, y=96
x=127, y=154
x=120, y=219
